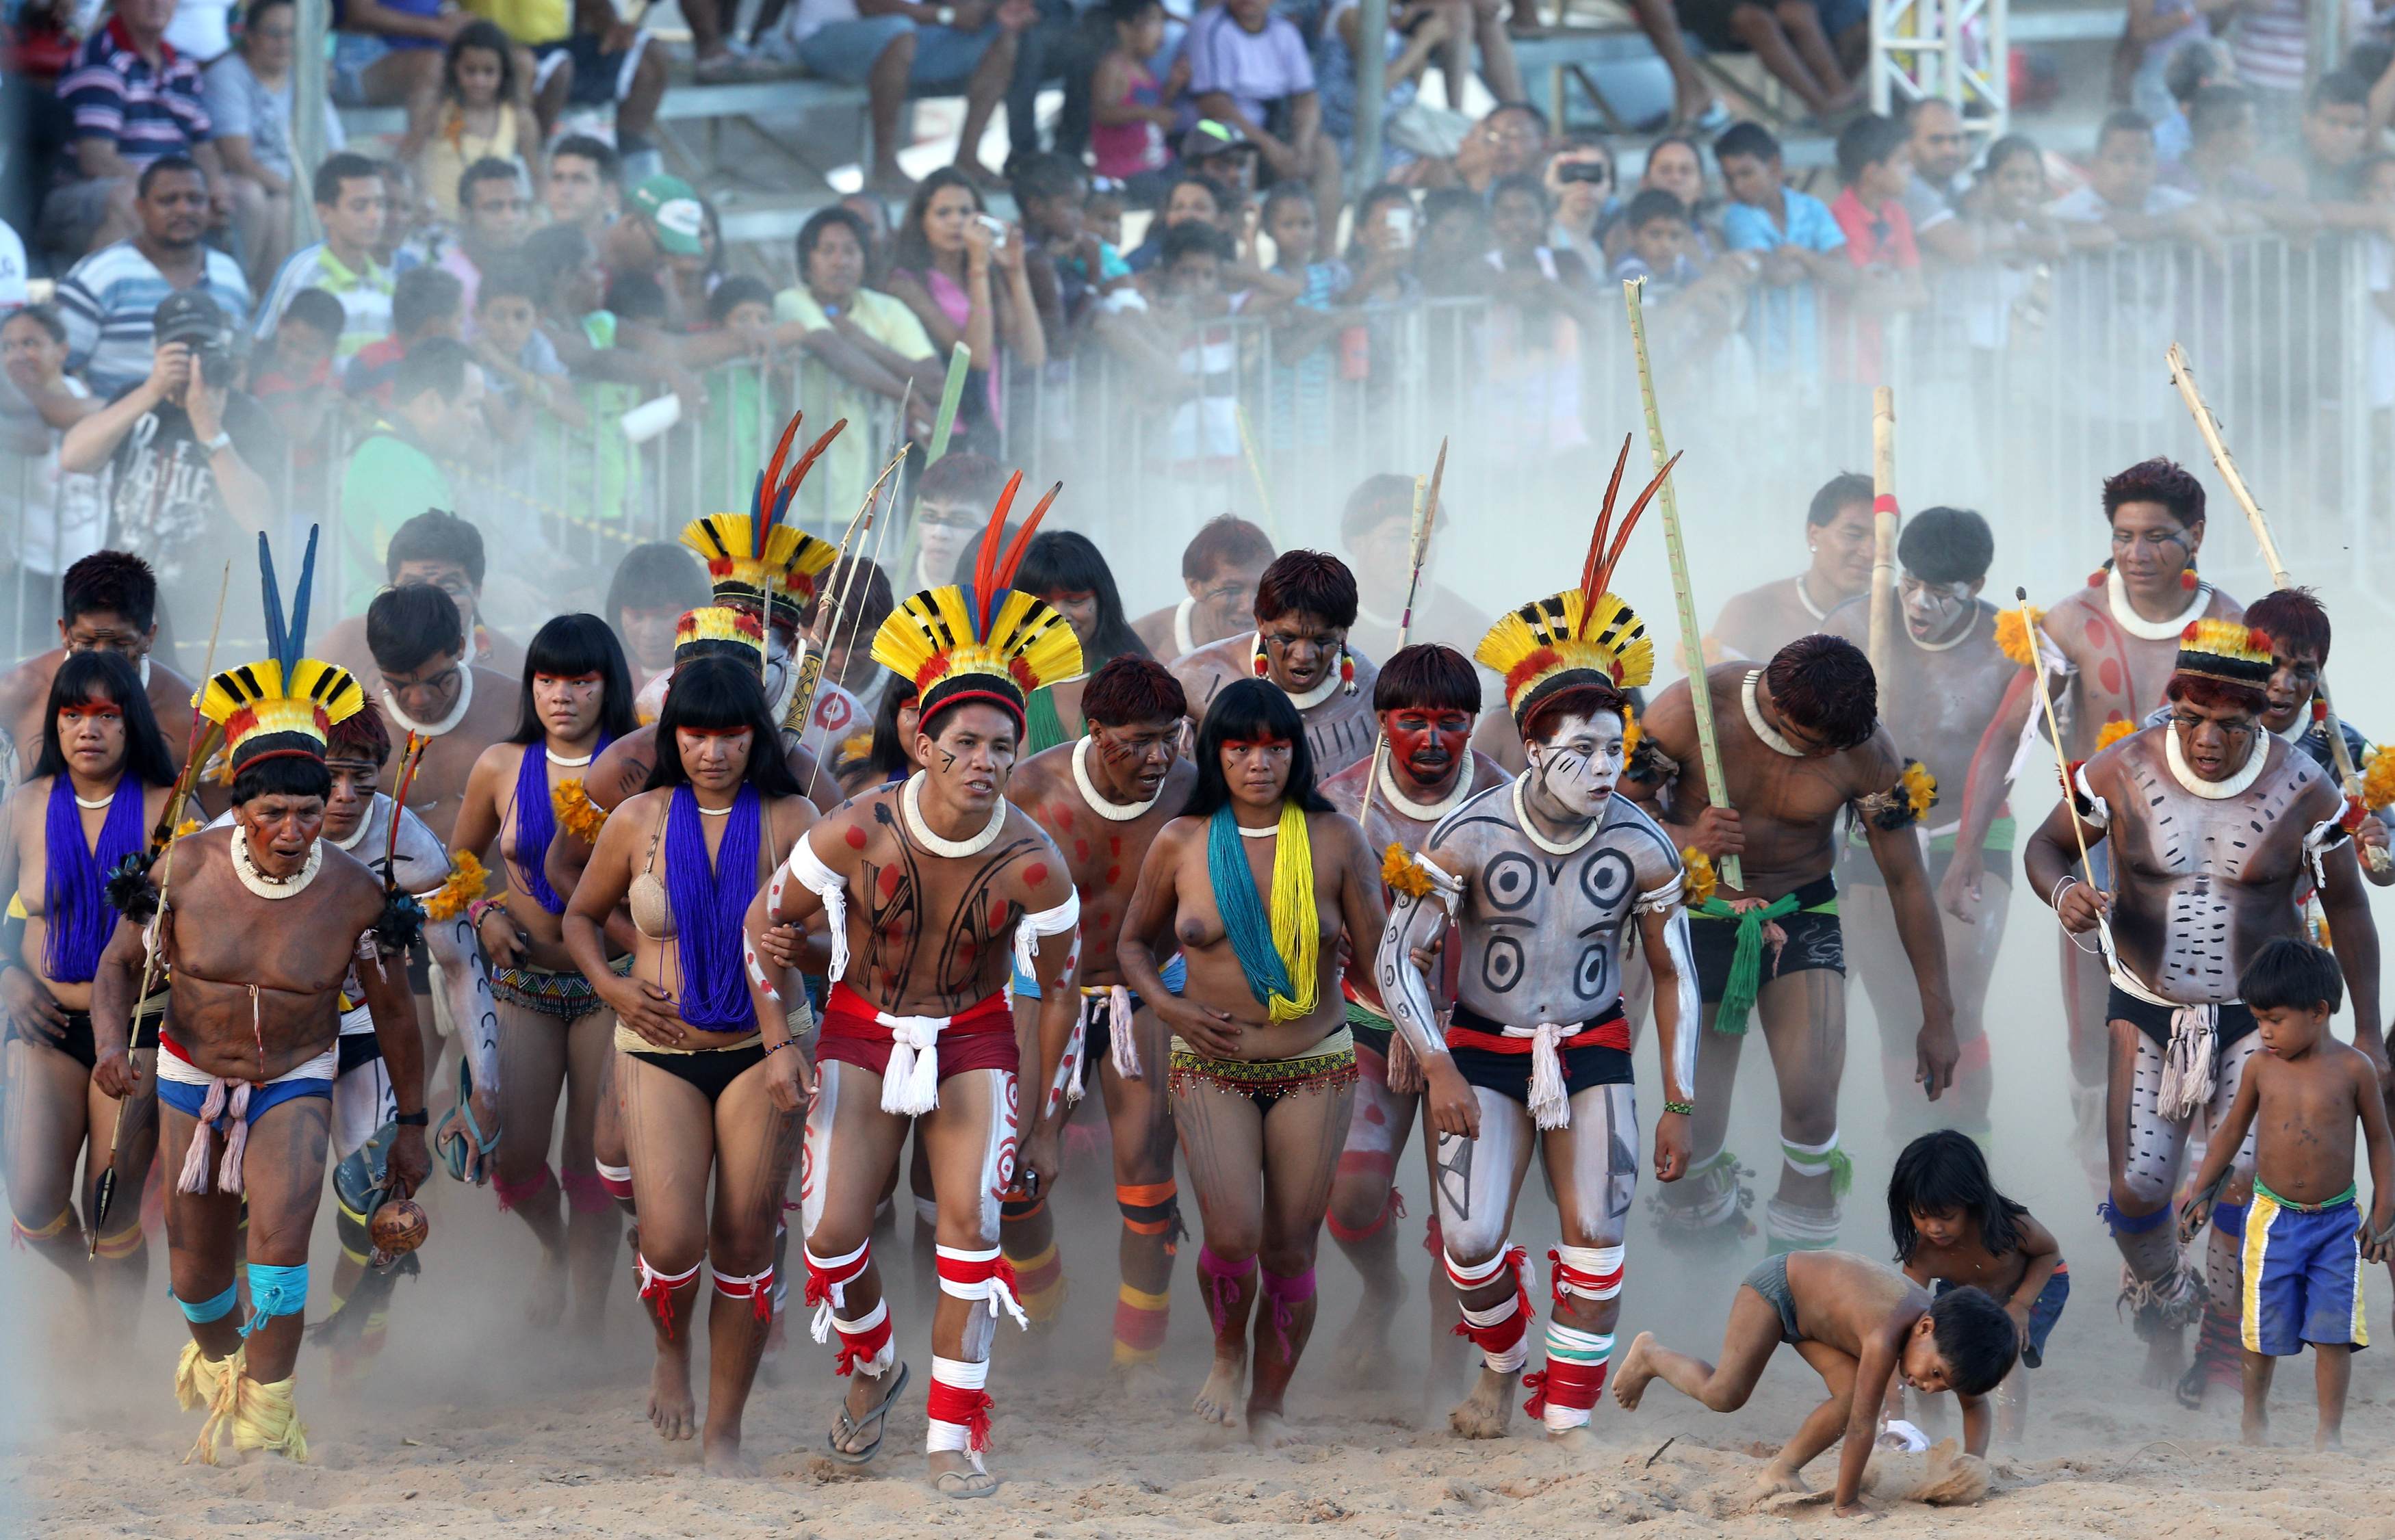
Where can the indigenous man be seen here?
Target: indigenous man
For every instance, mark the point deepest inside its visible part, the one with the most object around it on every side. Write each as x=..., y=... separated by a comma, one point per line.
x=1101, y=798
x=1219, y=567
x=457, y=709
x=1425, y=698
x=1377, y=528
x=922, y=884
x=108, y=603
x=2107, y=651
x=1540, y=879
x=2216, y=824
x=248, y=1058
x=1801, y=743
x=441, y=548
x=1946, y=682
x=1305, y=601
x=1838, y=538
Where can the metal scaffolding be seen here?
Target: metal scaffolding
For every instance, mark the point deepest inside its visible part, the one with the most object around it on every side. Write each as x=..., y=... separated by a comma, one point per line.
x=1953, y=49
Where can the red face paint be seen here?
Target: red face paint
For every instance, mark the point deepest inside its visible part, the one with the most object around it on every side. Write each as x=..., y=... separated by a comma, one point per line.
x=1255, y=746
x=592, y=678
x=1429, y=743
x=103, y=711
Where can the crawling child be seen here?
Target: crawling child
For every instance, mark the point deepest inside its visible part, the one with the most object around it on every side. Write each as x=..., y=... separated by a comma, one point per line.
x=2305, y=1240
x=1954, y=1229
x=1858, y=1323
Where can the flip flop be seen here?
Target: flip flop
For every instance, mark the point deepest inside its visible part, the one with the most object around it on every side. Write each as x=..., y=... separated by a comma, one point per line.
x=845, y=1429
x=961, y=1491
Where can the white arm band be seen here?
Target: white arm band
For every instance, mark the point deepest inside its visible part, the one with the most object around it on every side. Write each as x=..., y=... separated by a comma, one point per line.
x=2100, y=813
x=807, y=869
x=1048, y=922
x=1663, y=900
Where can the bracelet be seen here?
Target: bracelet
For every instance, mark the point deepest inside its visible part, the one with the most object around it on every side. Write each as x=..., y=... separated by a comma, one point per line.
x=773, y=1048
x=479, y=907
x=419, y=1118
x=2054, y=898
x=1685, y=1109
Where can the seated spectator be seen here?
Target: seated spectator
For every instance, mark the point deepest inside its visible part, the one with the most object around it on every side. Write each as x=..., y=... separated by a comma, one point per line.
x=964, y=276
x=427, y=303
x=1223, y=155
x=478, y=109
x=2125, y=196
x=1789, y=39
x=1131, y=109
x=186, y=462
x=1875, y=167
x=662, y=223
x=1933, y=194
x=585, y=186
x=2224, y=139
x=1510, y=141
x=2272, y=41
x=108, y=298
x=131, y=100
x=56, y=518
x=588, y=56
x=387, y=51
x=1072, y=267
x=395, y=471
x=2193, y=67
x=1416, y=31
x=898, y=48
x=2159, y=30
x=1548, y=305
x=1695, y=105
x=493, y=207
x=1796, y=247
x=249, y=94
x=349, y=205
x=653, y=586
x=523, y=371
x=1248, y=70
x=1582, y=183
x=292, y=375
x=444, y=552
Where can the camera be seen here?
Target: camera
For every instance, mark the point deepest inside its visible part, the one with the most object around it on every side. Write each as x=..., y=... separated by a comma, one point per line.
x=1584, y=171
x=213, y=359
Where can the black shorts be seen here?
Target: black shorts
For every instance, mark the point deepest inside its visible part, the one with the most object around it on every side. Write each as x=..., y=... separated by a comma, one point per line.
x=1814, y=940
x=2236, y=1019
x=599, y=78
x=1599, y=1054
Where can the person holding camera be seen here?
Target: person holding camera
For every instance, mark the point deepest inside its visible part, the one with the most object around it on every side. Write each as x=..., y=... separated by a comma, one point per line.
x=184, y=459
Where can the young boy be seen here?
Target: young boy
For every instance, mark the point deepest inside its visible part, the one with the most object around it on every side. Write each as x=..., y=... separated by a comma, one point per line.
x=1660, y=235
x=294, y=378
x=1875, y=167
x=426, y=302
x=1798, y=248
x=1858, y=1323
x=2304, y=1244
x=525, y=374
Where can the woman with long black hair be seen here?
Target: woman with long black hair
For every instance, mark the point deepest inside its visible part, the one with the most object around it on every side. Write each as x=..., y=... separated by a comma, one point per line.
x=1258, y=885
x=555, y=1033
x=1066, y=569
x=101, y=782
x=703, y=1084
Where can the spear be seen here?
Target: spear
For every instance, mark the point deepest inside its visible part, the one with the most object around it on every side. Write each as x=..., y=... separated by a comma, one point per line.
x=2209, y=427
x=2069, y=790
x=162, y=842
x=1425, y=510
x=1692, y=639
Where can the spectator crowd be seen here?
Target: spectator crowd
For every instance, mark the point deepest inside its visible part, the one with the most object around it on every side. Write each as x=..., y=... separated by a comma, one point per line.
x=506, y=310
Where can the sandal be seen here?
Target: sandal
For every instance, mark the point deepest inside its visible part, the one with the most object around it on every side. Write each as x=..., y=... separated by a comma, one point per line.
x=847, y=1428
x=960, y=1491
x=460, y=1140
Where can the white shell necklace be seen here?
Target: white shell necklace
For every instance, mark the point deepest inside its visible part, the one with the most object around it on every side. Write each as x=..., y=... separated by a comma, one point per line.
x=456, y=712
x=1117, y=813
x=276, y=889
x=1183, y=642
x=2184, y=773
x=1428, y=813
x=1763, y=730
x=1265, y=833
x=2151, y=630
x=1307, y=702
x=1807, y=600
x=366, y=826
x=1959, y=637
x=1522, y=817
x=911, y=808
x=93, y=805
x=561, y=762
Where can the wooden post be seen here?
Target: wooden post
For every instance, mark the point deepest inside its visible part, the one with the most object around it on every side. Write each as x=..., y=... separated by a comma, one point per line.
x=1884, y=617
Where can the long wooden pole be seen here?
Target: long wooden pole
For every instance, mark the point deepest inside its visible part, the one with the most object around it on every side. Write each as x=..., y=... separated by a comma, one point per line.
x=1692, y=636
x=1425, y=509
x=2209, y=425
x=1883, y=524
x=952, y=395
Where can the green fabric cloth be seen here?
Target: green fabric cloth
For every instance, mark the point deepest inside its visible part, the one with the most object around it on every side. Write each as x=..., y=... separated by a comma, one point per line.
x=388, y=481
x=1746, y=962
x=1042, y=727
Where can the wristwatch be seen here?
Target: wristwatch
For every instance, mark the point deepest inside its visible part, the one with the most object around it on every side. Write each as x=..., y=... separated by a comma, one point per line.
x=222, y=440
x=413, y=1119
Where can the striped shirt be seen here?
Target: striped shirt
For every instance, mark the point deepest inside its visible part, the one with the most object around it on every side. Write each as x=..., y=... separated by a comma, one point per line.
x=108, y=299
x=365, y=297
x=112, y=93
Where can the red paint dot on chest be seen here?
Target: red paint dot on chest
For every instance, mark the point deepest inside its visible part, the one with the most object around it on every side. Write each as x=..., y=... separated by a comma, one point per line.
x=2108, y=674
x=1114, y=875
x=855, y=837
x=1035, y=874
x=1000, y=913
x=1114, y=847
x=2098, y=631
x=889, y=881
x=1080, y=849
x=1100, y=921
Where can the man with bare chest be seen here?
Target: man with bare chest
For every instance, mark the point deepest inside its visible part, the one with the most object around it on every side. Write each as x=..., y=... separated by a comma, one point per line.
x=1801, y=743
x=1425, y=699
x=441, y=548
x=1220, y=568
x=1946, y=681
x=1305, y=601
x=2212, y=823
x=1838, y=542
x=108, y=603
x=1539, y=878
x=457, y=709
x=1101, y=798
x=2107, y=650
x=247, y=1064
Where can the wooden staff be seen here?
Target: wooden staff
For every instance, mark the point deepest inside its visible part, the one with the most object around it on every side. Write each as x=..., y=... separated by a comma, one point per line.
x=1425, y=510
x=1255, y=470
x=1883, y=522
x=952, y=395
x=2209, y=425
x=810, y=659
x=1692, y=639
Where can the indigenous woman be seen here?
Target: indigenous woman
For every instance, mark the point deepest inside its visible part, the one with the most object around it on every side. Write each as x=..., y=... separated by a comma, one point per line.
x=554, y=1035
x=103, y=778
x=1263, y=1065
x=703, y=1083
x=1066, y=569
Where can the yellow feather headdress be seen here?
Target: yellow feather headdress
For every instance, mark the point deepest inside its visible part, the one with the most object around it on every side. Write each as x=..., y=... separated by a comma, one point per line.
x=1582, y=636
x=987, y=641
x=2229, y=651
x=283, y=693
x=747, y=555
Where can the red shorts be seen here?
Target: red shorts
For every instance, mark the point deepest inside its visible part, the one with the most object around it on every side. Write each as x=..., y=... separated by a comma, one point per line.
x=981, y=1036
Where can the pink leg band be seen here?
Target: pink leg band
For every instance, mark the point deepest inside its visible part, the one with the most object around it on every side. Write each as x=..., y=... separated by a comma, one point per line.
x=514, y=1193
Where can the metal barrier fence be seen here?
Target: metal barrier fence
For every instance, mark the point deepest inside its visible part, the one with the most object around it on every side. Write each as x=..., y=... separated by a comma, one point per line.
x=2019, y=390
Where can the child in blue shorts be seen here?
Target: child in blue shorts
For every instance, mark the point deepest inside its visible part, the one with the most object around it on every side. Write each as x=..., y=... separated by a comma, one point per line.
x=2305, y=1240
x=1954, y=1229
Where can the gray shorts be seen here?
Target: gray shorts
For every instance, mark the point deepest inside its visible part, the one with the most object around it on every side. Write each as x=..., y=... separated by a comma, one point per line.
x=1769, y=1279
